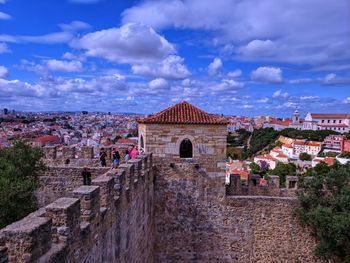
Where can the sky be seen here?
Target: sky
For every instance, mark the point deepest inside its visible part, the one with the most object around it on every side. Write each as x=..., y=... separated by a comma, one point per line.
x=231, y=57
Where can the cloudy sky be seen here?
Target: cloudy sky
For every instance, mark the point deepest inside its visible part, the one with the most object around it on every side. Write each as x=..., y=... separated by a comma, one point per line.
x=226, y=56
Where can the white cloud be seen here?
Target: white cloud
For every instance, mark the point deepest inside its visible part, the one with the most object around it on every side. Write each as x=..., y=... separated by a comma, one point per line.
x=347, y=100
x=52, y=38
x=172, y=67
x=300, y=81
x=4, y=48
x=280, y=94
x=334, y=79
x=257, y=48
x=309, y=98
x=227, y=84
x=130, y=43
x=235, y=73
x=64, y=36
x=263, y=100
x=4, y=16
x=74, y=26
x=158, y=83
x=3, y=71
x=311, y=32
x=64, y=66
x=267, y=75
x=214, y=67
x=247, y=106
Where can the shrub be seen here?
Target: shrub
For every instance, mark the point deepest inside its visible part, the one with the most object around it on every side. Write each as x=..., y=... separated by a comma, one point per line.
x=19, y=168
x=325, y=209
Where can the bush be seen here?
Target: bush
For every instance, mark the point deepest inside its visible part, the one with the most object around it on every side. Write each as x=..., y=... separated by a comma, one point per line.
x=325, y=209
x=345, y=155
x=282, y=170
x=19, y=168
x=311, y=135
x=305, y=157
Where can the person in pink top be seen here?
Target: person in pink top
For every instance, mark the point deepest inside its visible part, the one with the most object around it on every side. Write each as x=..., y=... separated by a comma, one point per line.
x=134, y=152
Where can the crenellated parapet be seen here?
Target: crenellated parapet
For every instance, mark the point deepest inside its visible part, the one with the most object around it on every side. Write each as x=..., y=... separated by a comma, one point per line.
x=257, y=186
x=81, y=156
x=91, y=223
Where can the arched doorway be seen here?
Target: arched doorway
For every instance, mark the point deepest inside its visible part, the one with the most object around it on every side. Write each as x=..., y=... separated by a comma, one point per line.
x=186, y=149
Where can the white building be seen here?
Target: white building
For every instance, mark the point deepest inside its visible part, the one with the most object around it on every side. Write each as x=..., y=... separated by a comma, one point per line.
x=320, y=121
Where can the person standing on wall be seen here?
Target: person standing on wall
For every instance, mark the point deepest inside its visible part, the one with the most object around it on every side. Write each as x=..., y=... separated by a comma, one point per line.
x=127, y=156
x=103, y=156
x=116, y=158
x=86, y=174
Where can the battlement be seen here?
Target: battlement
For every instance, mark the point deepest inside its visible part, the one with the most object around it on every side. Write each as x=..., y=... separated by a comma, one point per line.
x=117, y=206
x=80, y=156
x=255, y=186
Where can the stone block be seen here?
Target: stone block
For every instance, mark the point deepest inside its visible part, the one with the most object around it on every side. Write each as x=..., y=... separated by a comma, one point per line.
x=28, y=239
x=87, y=152
x=89, y=196
x=68, y=152
x=65, y=215
x=50, y=152
x=106, y=184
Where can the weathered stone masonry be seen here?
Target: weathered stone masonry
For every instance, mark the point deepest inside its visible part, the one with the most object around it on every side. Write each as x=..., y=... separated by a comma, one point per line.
x=196, y=222
x=109, y=221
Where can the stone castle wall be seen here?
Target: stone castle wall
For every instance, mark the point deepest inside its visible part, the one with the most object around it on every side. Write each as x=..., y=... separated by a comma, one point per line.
x=209, y=143
x=253, y=187
x=110, y=221
x=60, y=178
x=60, y=181
x=196, y=222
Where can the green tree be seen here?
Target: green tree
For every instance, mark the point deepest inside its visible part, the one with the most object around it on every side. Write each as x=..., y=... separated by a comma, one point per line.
x=325, y=209
x=283, y=170
x=19, y=169
x=254, y=168
x=305, y=157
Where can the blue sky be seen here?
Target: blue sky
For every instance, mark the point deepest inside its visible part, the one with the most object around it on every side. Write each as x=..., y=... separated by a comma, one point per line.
x=226, y=56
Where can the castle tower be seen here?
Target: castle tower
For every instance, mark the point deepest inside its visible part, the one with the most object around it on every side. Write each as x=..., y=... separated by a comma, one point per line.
x=184, y=132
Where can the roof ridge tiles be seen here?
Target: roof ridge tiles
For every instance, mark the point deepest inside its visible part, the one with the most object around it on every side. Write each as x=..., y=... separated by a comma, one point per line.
x=183, y=113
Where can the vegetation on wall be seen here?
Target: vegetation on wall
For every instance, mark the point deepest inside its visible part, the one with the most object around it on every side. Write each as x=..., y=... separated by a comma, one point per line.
x=325, y=210
x=283, y=170
x=19, y=169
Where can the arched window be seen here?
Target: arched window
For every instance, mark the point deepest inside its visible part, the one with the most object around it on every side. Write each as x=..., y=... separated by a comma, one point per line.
x=186, y=149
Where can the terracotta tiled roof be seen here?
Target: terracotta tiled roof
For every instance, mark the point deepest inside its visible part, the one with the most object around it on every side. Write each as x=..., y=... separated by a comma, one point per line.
x=330, y=116
x=282, y=123
x=184, y=113
x=125, y=140
x=47, y=138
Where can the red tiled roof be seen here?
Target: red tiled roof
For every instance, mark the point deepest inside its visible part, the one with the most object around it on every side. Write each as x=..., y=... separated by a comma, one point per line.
x=125, y=140
x=47, y=138
x=330, y=116
x=282, y=123
x=329, y=160
x=184, y=113
x=287, y=146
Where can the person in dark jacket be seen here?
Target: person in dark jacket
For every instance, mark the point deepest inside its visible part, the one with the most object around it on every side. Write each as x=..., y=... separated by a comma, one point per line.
x=103, y=156
x=115, y=158
x=86, y=174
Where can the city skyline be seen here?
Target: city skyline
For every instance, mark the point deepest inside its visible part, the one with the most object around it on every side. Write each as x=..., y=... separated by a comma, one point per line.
x=230, y=57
